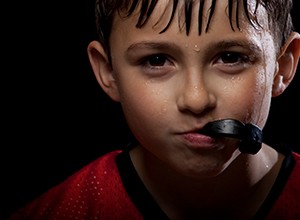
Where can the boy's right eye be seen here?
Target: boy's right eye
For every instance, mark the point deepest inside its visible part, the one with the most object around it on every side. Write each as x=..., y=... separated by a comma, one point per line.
x=156, y=64
x=156, y=61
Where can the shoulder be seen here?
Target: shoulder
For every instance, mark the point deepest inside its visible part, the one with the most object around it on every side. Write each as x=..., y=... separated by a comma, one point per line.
x=287, y=204
x=294, y=179
x=103, y=168
x=88, y=192
x=296, y=157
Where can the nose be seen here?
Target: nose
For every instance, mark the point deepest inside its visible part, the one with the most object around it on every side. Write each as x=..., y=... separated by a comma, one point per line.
x=195, y=96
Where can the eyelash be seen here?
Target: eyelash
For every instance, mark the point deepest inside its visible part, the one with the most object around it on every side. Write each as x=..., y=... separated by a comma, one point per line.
x=156, y=64
x=161, y=58
x=228, y=62
x=239, y=58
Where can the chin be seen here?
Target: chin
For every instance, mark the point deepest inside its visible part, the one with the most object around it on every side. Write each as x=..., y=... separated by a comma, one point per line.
x=212, y=165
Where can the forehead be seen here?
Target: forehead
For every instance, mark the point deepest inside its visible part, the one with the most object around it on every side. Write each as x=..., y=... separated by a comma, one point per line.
x=162, y=13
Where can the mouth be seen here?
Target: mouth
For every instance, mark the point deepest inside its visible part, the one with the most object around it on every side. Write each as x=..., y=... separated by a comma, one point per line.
x=198, y=140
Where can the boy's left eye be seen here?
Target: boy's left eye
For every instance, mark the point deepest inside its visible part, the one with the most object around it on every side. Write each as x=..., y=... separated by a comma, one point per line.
x=234, y=62
x=232, y=58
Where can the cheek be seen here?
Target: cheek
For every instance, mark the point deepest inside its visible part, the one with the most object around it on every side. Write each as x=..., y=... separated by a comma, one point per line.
x=146, y=107
x=262, y=97
x=245, y=97
x=252, y=97
x=259, y=104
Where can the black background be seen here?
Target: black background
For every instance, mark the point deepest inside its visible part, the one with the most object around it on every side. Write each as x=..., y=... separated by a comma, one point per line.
x=55, y=118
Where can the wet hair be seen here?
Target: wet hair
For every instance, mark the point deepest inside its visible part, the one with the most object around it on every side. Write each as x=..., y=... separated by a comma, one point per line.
x=279, y=15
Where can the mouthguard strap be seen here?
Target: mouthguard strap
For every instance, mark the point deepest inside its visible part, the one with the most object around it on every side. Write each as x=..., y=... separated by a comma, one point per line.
x=249, y=134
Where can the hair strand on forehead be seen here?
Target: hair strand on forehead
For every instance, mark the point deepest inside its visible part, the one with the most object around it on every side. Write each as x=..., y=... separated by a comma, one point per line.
x=200, y=15
x=144, y=11
x=212, y=10
x=188, y=8
x=175, y=3
x=133, y=7
x=237, y=14
x=246, y=10
x=277, y=13
x=230, y=5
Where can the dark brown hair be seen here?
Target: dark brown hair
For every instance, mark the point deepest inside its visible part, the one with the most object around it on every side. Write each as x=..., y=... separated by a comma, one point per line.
x=279, y=15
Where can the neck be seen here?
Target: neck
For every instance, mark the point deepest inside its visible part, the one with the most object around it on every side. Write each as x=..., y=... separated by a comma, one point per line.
x=241, y=188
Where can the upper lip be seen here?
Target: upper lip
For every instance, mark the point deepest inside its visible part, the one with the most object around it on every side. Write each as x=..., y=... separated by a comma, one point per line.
x=194, y=130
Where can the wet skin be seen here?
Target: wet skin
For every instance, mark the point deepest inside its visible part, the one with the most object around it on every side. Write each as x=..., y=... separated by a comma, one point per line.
x=170, y=85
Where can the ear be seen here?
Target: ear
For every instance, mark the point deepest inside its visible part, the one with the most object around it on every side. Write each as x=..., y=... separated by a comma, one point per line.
x=287, y=64
x=102, y=69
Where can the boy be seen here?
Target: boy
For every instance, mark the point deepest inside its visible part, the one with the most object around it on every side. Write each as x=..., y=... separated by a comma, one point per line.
x=195, y=81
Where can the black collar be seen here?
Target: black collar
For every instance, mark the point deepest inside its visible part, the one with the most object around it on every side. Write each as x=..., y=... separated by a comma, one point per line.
x=148, y=207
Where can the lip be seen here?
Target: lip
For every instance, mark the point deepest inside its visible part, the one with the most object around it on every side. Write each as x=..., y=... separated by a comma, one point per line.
x=198, y=140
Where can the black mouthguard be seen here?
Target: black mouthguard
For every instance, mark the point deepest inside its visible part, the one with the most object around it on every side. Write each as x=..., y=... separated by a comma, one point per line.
x=249, y=134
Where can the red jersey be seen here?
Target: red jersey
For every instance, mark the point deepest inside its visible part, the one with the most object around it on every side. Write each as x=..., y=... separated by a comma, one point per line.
x=107, y=189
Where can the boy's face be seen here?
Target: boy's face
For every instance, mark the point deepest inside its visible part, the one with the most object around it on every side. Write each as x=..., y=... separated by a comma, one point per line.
x=170, y=85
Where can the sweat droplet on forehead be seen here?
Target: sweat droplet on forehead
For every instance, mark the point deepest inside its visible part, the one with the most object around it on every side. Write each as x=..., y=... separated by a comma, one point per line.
x=196, y=48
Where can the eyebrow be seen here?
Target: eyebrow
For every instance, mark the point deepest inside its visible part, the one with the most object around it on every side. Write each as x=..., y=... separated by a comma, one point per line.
x=214, y=46
x=226, y=44
x=152, y=45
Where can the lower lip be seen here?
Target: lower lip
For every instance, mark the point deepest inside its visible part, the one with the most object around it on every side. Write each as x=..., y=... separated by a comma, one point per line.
x=197, y=140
